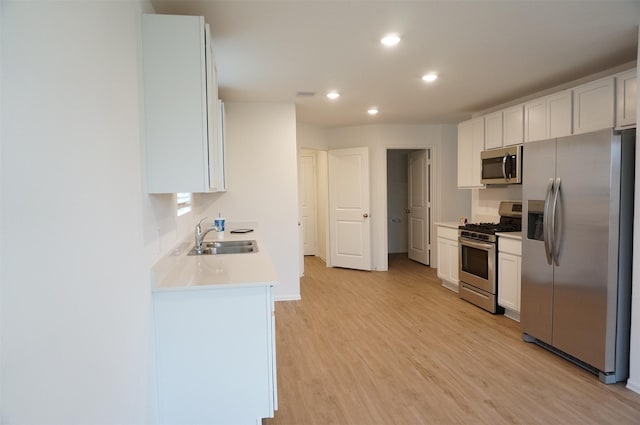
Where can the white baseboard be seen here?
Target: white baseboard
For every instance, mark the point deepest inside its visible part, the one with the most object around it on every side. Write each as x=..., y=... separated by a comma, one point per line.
x=450, y=286
x=513, y=315
x=288, y=297
x=633, y=386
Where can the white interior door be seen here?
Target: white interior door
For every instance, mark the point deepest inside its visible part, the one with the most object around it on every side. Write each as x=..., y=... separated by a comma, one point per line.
x=419, y=207
x=349, y=222
x=308, y=200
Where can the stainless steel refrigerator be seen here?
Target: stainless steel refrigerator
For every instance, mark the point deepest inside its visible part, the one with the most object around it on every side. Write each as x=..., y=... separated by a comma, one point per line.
x=576, y=250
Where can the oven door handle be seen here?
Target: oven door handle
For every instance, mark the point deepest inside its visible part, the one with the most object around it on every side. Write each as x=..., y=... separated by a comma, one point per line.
x=545, y=219
x=479, y=245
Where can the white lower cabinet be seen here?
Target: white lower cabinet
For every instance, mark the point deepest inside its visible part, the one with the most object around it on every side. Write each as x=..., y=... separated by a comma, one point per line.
x=215, y=353
x=448, y=257
x=509, y=270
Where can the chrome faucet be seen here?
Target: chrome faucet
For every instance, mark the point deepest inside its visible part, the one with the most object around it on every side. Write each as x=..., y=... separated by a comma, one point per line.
x=200, y=235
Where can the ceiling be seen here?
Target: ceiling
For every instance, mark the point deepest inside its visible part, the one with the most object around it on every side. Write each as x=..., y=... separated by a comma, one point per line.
x=485, y=52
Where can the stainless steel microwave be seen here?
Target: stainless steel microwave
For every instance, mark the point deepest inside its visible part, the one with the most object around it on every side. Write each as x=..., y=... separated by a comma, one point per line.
x=502, y=166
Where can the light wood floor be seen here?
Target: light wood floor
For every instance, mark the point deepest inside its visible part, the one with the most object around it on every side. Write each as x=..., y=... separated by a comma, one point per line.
x=365, y=348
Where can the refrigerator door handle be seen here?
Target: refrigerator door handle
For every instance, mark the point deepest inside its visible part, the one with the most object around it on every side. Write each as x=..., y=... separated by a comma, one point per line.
x=545, y=219
x=556, y=230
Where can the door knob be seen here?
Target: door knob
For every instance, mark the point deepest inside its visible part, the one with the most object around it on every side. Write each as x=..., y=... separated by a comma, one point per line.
x=408, y=211
x=365, y=215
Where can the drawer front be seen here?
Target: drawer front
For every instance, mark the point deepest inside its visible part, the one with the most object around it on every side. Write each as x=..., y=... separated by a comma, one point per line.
x=510, y=246
x=447, y=233
x=478, y=297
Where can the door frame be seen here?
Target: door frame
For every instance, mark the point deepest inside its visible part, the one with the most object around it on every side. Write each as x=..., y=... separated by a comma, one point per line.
x=433, y=188
x=314, y=159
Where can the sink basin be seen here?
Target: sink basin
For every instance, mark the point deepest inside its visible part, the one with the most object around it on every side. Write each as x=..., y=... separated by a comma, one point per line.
x=226, y=247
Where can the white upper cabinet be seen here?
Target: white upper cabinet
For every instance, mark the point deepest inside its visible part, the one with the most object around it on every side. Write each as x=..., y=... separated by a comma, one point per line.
x=219, y=171
x=626, y=89
x=593, y=106
x=560, y=114
x=470, y=146
x=493, y=130
x=548, y=117
x=513, y=125
x=535, y=120
x=180, y=103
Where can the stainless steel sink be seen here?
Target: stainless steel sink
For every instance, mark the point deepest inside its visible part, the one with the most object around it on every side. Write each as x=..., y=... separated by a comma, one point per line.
x=226, y=247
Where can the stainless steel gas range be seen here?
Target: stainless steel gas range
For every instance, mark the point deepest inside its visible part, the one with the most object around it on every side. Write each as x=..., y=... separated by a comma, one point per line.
x=478, y=259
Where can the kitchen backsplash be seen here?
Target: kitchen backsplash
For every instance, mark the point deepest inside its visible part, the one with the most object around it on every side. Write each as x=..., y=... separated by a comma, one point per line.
x=485, y=202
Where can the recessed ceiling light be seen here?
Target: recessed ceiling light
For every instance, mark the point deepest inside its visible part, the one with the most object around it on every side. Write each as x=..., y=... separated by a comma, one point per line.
x=390, y=40
x=333, y=95
x=430, y=77
x=372, y=111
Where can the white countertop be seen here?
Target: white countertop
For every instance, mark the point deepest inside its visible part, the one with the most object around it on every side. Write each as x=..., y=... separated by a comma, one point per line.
x=510, y=235
x=179, y=271
x=451, y=224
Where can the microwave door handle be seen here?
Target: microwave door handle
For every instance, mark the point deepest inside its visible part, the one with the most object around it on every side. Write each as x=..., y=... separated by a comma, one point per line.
x=504, y=167
x=556, y=230
x=545, y=219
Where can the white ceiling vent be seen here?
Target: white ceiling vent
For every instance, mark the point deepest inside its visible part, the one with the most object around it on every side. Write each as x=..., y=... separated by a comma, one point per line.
x=305, y=94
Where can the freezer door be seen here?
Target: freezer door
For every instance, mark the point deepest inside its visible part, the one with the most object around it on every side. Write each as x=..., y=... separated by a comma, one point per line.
x=537, y=273
x=585, y=209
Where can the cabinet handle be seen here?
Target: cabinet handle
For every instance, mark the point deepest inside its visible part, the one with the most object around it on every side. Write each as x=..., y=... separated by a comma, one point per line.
x=365, y=215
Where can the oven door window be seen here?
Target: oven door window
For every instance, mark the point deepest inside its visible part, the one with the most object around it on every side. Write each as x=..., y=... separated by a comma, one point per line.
x=475, y=261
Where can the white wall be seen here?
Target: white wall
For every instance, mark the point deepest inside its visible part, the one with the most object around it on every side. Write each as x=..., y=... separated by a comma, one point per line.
x=485, y=202
x=263, y=183
x=449, y=201
x=634, y=363
x=454, y=202
x=75, y=286
x=311, y=137
x=2, y=25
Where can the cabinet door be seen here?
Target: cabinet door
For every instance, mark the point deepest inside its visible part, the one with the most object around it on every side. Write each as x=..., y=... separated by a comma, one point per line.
x=593, y=106
x=560, y=114
x=509, y=281
x=448, y=260
x=478, y=147
x=218, y=345
x=179, y=103
x=626, y=89
x=465, y=147
x=493, y=130
x=470, y=146
x=453, y=255
x=535, y=120
x=444, y=259
x=513, y=125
